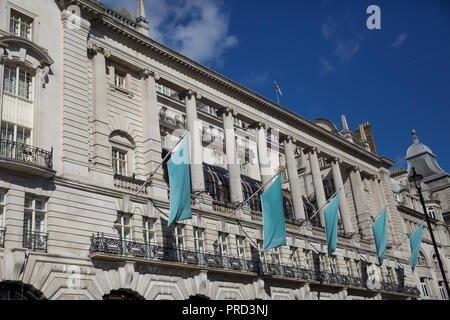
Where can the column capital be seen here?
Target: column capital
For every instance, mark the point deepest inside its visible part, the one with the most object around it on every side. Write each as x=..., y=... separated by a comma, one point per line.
x=311, y=150
x=287, y=138
x=336, y=160
x=227, y=111
x=258, y=125
x=189, y=93
x=94, y=49
x=354, y=169
x=145, y=73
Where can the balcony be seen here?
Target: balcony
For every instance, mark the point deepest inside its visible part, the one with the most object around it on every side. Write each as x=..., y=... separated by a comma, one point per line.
x=130, y=184
x=35, y=240
x=170, y=122
x=102, y=246
x=27, y=159
x=2, y=237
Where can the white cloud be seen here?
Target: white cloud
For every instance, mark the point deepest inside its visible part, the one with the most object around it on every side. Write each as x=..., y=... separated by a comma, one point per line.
x=345, y=50
x=328, y=28
x=326, y=66
x=198, y=29
x=400, y=39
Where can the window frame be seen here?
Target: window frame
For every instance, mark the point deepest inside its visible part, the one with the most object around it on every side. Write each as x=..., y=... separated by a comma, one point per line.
x=121, y=226
x=116, y=161
x=22, y=16
x=199, y=240
x=17, y=70
x=240, y=247
x=149, y=231
x=2, y=208
x=33, y=210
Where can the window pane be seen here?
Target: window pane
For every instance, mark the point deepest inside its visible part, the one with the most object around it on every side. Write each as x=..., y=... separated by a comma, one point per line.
x=27, y=220
x=9, y=80
x=28, y=202
x=40, y=204
x=39, y=223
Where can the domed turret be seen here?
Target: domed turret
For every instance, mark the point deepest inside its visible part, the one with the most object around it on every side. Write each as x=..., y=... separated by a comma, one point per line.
x=423, y=159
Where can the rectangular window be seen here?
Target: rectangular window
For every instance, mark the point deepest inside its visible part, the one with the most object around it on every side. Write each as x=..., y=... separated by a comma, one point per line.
x=2, y=208
x=431, y=213
x=21, y=25
x=223, y=244
x=12, y=132
x=333, y=265
x=149, y=231
x=120, y=79
x=294, y=257
x=179, y=237
x=198, y=240
x=119, y=162
x=17, y=82
x=240, y=245
x=276, y=256
x=308, y=259
x=34, y=226
x=262, y=253
x=124, y=226
x=423, y=284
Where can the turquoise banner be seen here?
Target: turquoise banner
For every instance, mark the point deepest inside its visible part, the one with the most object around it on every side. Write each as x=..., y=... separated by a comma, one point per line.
x=180, y=184
x=331, y=223
x=415, y=241
x=273, y=214
x=379, y=228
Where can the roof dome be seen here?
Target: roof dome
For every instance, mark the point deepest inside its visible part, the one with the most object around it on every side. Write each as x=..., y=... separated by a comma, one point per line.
x=124, y=12
x=417, y=148
x=422, y=158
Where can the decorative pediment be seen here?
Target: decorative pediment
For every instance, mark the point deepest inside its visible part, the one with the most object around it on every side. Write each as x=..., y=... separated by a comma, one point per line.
x=25, y=52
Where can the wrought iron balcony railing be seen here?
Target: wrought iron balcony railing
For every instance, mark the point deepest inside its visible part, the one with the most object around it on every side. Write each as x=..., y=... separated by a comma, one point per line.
x=118, y=247
x=35, y=240
x=2, y=237
x=21, y=152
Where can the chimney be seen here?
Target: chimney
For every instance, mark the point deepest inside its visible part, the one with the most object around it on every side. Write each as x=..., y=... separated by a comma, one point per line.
x=141, y=20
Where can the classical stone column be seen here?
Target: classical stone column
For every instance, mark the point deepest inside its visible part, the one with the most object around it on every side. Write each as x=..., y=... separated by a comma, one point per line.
x=317, y=182
x=151, y=134
x=196, y=157
x=339, y=184
x=264, y=162
x=232, y=159
x=294, y=183
x=100, y=129
x=2, y=68
x=360, y=201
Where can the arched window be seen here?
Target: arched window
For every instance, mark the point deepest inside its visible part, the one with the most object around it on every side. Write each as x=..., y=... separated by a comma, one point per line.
x=122, y=154
x=422, y=261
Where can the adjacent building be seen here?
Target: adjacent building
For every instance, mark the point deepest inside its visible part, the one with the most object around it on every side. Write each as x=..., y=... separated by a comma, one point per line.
x=90, y=106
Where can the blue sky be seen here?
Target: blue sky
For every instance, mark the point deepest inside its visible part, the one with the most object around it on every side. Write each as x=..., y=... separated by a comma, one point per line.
x=325, y=59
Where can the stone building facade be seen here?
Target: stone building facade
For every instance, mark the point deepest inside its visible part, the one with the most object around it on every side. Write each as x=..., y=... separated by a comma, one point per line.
x=436, y=191
x=90, y=105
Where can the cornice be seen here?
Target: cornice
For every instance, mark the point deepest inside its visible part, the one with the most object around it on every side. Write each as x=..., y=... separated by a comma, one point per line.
x=123, y=26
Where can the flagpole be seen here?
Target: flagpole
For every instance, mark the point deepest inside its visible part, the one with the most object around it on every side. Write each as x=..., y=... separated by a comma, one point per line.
x=312, y=217
x=276, y=91
x=161, y=163
x=249, y=198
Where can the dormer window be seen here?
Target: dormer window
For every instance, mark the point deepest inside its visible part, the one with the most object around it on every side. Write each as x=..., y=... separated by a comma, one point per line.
x=21, y=25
